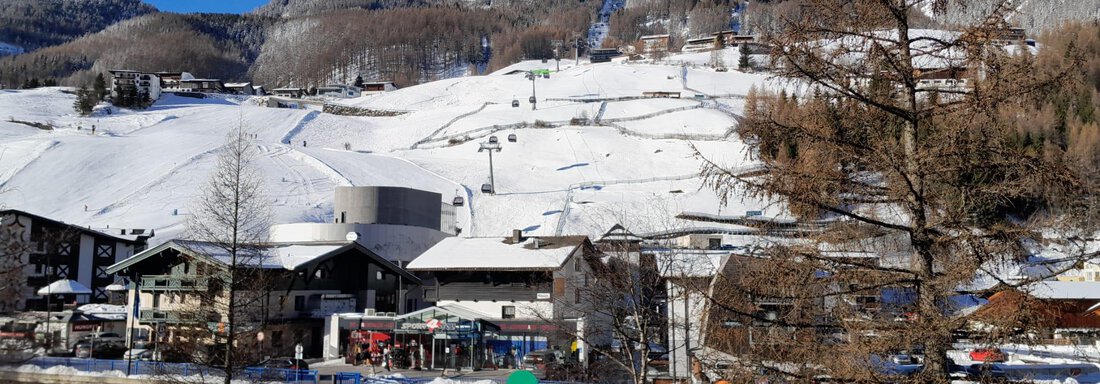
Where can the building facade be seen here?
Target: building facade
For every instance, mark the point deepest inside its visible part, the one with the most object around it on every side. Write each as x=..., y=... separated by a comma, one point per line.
x=53, y=250
x=147, y=86
x=340, y=91
x=529, y=287
x=178, y=289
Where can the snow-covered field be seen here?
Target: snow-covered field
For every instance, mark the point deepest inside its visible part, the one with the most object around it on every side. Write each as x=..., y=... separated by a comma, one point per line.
x=144, y=169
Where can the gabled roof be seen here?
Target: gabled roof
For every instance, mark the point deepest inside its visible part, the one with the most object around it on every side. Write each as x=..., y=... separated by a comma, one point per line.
x=498, y=254
x=85, y=230
x=619, y=233
x=288, y=256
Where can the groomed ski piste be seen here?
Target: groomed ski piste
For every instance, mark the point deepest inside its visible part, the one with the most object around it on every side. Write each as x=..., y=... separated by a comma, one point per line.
x=593, y=153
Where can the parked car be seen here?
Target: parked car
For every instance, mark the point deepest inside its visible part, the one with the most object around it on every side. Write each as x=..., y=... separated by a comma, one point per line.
x=138, y=354
x=988, y=355
x=284, y=363
x=542, y=361
x=102, y=337
x=99, y=350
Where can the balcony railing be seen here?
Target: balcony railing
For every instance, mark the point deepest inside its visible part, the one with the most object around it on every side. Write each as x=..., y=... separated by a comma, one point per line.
x=153, y=315
x=172, y=283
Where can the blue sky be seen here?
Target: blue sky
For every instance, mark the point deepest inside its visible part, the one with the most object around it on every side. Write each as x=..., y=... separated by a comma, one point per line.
x=212, y=6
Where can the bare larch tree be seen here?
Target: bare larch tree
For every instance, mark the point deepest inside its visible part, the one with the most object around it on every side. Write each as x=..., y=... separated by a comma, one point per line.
x=230, y=224
x=900, y=142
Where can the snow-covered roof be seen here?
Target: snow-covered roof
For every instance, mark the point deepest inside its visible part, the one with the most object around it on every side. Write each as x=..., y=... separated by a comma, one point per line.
x=238, y=85
x=288, y=256
x=496, y=253
x=690, y=263
x=104, y=311
x=285, y=256
x=1065, y=290
x=88, y=230
x=65, y=287
x=618, y=233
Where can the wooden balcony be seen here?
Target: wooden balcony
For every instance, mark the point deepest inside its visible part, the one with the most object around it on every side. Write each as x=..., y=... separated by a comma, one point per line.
x=153, y=315
x=166, y=283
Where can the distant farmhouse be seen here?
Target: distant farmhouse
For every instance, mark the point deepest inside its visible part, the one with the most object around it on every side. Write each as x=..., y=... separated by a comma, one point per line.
x=202, y=86
x=291, y=92
x=339, y=91
x=378, y=87
x=245, y=88
x=603, y=55
x=655, y=44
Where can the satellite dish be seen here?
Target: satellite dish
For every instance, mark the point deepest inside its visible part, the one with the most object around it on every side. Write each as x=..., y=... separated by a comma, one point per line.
x=352, y=236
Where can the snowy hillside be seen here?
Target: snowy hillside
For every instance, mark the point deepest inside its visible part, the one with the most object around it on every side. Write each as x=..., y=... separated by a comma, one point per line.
x=1034, y=15
x=634, y=167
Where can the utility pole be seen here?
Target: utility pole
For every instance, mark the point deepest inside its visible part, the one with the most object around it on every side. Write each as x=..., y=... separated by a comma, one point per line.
x=532, y=76
x=491, y=147
x=557, y=53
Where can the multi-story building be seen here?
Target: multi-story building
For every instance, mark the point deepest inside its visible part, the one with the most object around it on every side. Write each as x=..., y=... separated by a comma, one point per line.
x=52, y=250
x=529, y=287
x=179, y=287
x=146, y=85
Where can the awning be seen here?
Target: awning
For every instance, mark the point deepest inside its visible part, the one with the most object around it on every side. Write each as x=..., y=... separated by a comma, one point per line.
x=447, y=318
x=64, y=287
x=115, y=288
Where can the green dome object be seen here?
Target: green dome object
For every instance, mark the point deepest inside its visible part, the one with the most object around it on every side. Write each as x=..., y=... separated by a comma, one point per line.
x=522, y=377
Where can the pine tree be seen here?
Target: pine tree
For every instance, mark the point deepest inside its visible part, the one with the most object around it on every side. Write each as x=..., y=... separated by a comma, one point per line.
x=744, y=62
x=359, y=81
x=85, y=101
x=99, y=87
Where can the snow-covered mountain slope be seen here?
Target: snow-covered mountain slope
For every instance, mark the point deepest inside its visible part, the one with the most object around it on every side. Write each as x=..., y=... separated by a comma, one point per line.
x=638, y=166
x=1033, y=15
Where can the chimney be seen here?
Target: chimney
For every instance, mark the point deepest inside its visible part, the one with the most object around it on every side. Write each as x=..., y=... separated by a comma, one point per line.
x=517, y=236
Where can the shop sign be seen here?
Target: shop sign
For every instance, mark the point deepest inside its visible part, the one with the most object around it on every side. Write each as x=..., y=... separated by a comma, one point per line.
x=411, y=326
x=83, y=327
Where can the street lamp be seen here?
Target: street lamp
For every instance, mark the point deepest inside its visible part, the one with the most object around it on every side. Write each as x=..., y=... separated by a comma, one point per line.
x=491, y=147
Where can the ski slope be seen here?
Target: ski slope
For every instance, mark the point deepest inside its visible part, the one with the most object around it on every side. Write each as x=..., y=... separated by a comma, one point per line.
x=144, y=169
